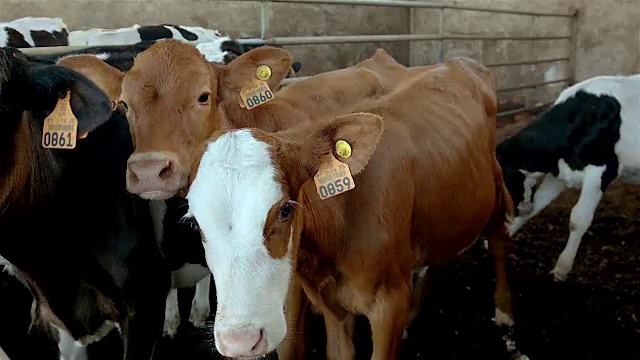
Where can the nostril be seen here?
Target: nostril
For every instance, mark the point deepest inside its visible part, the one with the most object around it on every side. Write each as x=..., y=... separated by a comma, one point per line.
x=260, y=340
x=132, y=175
x=167, y=171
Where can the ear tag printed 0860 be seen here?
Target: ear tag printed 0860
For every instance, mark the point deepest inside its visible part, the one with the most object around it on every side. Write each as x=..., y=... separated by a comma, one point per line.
x=257, y=92
x=61, y=126
x=334, y=177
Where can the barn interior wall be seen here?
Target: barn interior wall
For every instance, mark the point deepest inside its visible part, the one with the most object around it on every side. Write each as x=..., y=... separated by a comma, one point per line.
x=608, y=35
x=607, y=41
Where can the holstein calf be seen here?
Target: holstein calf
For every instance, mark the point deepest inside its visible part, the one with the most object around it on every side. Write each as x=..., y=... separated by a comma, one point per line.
x=137, y=33
x=586, y=140
x=170, y=120
x=71, y=232
x=33, y=32
x=383, y=205
x=221, y=51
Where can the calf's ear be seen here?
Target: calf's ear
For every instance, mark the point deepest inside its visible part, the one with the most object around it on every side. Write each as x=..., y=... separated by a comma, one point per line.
x=108, y=78
x=352, y=139
x=242, y=70
x=46, y=84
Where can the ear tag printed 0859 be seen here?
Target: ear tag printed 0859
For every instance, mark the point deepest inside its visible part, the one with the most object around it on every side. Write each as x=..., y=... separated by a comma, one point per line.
x=61, y=126
x=334, y=177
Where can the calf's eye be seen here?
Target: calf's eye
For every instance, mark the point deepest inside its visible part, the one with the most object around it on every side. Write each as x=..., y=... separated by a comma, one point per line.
x=203, y=99
x=285, y=211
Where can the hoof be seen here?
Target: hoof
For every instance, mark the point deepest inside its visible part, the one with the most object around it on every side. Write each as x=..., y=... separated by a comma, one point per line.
x=199, y=314
x=502, y=319
x=559, y=275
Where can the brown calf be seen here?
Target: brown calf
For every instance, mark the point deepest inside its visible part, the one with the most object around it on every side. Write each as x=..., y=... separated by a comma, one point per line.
x=421, y=192
x=169, y=118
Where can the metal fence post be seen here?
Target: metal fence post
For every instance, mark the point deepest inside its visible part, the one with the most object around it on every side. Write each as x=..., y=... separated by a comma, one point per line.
x=441, y=33
x=573, y=63
x=264, y=18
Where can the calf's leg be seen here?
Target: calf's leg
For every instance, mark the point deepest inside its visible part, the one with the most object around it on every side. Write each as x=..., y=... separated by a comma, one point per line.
x=388, y=317
x=418, y=291
x=171, y=314
x=340, y=337
x=200, y=307
x=500, y=246
x=581, y=218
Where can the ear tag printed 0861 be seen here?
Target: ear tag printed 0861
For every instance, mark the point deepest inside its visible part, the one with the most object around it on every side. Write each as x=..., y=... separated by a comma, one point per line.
x=334, y=177
x=61, y=126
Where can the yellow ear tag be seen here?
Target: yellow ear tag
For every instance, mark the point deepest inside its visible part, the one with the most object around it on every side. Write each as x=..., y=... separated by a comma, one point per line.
x=333, y=178
x=255, y=93
x=61, y=126
x=343, y=149
x=263, y=72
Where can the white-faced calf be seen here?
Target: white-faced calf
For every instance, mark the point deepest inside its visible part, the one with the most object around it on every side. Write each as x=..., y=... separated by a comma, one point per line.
x=350, y=211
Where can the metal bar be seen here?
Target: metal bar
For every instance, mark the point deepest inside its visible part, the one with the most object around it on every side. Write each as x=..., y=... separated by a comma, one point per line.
x=525, y=109
x=529, y=62
x=532, y=85
x=441, y=33
x=309, y=40
x=574, y=47
x=264, y=19
x=418, y=4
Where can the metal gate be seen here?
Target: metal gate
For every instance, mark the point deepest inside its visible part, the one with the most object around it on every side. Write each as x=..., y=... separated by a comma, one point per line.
x=440, y=37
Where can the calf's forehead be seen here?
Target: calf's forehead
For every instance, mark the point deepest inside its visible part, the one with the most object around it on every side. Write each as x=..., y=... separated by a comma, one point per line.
x=236, y=183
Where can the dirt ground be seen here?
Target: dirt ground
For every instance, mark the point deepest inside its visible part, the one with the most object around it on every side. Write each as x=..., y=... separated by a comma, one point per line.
x=593, y=315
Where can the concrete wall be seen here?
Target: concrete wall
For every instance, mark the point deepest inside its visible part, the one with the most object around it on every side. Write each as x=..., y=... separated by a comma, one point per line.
x=239, y=19
x=608, y=34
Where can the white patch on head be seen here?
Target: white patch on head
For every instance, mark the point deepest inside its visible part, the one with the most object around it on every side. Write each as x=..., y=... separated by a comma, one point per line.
x=234, y=188
x=530, y=180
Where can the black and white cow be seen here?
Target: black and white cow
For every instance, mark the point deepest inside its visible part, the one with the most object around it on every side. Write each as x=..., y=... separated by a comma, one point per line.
x=121, y=57
x=71, y=232
x=33, y=32
x=180, y=243
x=586, y=140
x=137, y=33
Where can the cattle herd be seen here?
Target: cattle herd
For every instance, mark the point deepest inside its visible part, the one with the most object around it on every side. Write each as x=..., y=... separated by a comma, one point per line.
x=143, y=164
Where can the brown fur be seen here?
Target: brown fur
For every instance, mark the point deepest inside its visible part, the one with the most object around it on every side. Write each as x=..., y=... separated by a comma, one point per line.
x=22, y=183
x=430, y=188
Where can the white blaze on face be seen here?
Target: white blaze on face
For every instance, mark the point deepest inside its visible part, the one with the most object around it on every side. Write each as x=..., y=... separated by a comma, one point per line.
x=232, y=193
